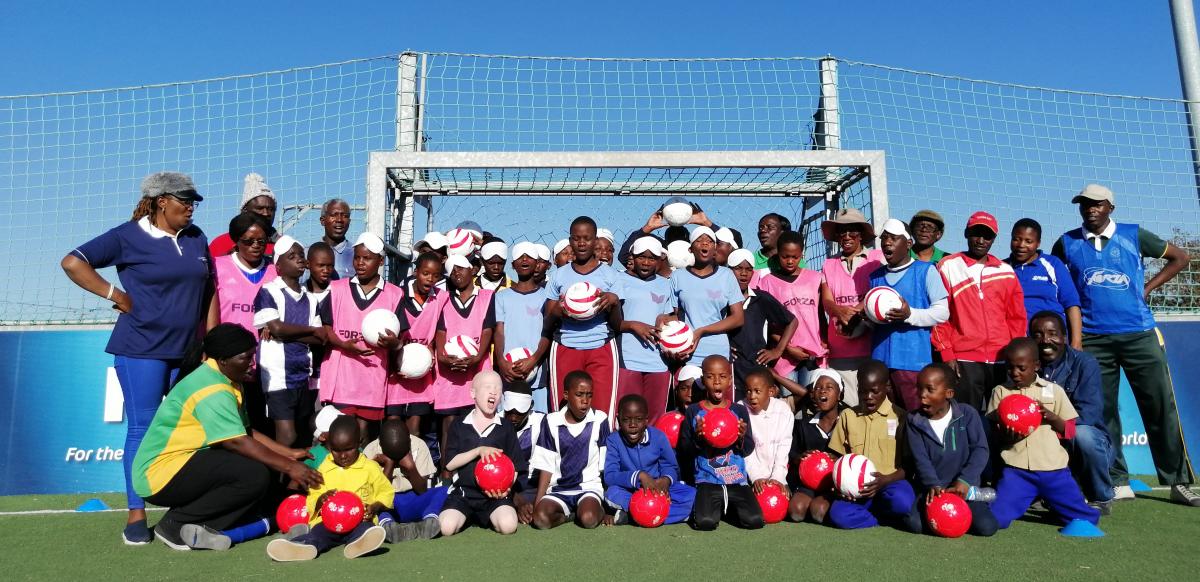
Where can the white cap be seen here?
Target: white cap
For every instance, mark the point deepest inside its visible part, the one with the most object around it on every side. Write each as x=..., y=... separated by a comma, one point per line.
x=560, y=245
x=647, y=243
x=457, y=261
x=895, y=227
x=725, y=235
x=516, y=401
x=606, y=234
x=285, y=244
x=325, y=419
x=254, y=186
x=435, y=240
x=738, y=257
x=543, y=252
x=819, y=373
x=494, y=249
x=689, y=372
x=521, y=249
x=371, y=241
x=703, y=231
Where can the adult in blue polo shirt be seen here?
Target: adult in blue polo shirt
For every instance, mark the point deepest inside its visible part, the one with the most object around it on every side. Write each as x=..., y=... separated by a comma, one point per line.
x=165, y=273
x=1044, y=279
x=1105, y=260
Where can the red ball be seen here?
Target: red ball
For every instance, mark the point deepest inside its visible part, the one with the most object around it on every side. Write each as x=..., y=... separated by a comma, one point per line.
x=496, y=474
x=720, y=427
x=649, y=509
x=949, y=515
x=669, y=423
x=292, y=512
x=1020, y=413
x=816, y=471
x=342, y=512
x=774, y=503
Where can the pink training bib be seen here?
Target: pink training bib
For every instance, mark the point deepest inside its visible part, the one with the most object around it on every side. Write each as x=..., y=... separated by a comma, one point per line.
x=349, y=378
x=422, y=327
x=848, y=289
x=802, y=298
x=453, y=388
x=235, y=293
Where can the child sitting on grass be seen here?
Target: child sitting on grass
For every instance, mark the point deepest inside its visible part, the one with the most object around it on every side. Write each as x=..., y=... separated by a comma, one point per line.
x=640, y=457
x=569, y=455
x=811, y=434
x=414, y=515
x=771, y=422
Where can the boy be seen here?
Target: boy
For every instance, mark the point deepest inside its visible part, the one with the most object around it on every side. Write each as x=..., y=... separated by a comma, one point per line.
x=948, y=445
x=683, y=391
x=770, y=226
x=345, y=469
x=750, y=346
x=1045, y=281
x=1036, y=465
x=639, y=457
x=987, y=310
x=494, y=254
x=286, y=317
x=722, y=487
x=480, y=435
x=320, y=273
x=519, y=320
x=771, y=422
x=415, y=510
x=874, y=428
x=570, y=456
x=517, y=406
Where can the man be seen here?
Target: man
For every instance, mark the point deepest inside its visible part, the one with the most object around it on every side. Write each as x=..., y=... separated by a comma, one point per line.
x=1105, y=260
x=927, y=227
x=335, y=218
x=1079, y=375
x=258, y=198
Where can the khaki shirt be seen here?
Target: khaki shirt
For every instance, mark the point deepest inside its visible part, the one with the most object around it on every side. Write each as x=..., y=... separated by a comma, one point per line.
x=1040, y=451
x=876, y=435
x=420, y=455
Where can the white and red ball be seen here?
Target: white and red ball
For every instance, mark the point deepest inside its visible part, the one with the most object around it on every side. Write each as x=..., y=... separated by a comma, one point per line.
x=581, y=301
x=517, y=354
x=462, y=346
x=376, y=323
x=675, y=337
x=879, y=301
x=415, y=361
x=851, y=473
x=460, y=241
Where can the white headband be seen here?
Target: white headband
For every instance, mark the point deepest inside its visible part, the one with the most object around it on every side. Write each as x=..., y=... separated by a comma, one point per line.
x=543, y=252
x=560, y=245
x=285, y=244
x=703, y=231
x=457, y=261
x=689, y=372
x=819, y=373
x=494, y=249
x=516, y=401
x=521, y=249
x=738, y=257
x=371, y=241
x=725, y=235
x=647, y=243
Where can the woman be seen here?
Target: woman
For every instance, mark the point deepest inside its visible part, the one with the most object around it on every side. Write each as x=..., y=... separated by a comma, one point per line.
x=259, y=199
x=847, y=280
x=199, y=459
x=166, y=283
x=240, y=275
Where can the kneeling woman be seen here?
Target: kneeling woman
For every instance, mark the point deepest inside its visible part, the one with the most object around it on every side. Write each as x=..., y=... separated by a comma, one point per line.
x=199, y=459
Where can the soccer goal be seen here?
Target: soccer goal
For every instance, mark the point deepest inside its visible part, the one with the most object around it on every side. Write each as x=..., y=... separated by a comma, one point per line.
x=534, y=195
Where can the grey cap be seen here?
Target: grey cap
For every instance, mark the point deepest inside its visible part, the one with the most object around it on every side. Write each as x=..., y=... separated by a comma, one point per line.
x=175, y=184
x=1094, y=192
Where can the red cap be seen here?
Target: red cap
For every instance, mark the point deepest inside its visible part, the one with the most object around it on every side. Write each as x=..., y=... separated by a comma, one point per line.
x=982, y=218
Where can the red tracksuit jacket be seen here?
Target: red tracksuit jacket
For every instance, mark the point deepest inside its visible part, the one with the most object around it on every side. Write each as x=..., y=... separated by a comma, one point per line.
x=987, y=309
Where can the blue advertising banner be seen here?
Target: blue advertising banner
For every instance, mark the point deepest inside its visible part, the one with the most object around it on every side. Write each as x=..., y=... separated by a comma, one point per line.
x=65, y=429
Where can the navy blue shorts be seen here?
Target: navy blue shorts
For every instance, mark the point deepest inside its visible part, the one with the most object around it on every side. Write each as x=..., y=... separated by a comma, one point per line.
x=291, y=404
x=570, y=501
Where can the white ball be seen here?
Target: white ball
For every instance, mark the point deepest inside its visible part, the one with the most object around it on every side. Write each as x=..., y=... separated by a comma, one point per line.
x=879, y=301
x=378, y=321
x=462, y=346
x=675, y=337
x=581, y=300
x=415, y=361
x=851, y=473
x=517, y=354
x=677, y=213
x=679, y=254
x=460, y=241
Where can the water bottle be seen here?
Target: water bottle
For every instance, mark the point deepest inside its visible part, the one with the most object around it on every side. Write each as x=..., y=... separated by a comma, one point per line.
x=984, y=494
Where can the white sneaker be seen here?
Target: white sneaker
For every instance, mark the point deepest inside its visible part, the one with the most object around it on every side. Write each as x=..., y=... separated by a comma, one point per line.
x=1123, y=493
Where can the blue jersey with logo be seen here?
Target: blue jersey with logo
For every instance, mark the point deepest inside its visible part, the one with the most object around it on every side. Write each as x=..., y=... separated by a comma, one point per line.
x=644, y=301
x=1047, y=285
x=899, y=345
x=1111, y=281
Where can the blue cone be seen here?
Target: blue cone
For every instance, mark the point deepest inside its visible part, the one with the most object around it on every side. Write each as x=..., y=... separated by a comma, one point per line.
x=1081, y=528
x=92, y=504
x=1139, y=486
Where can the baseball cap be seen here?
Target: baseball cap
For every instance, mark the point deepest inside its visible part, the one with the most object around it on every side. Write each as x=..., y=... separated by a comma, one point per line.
x=174, y=184
x=703, y=231
x=893, y=226
x=560, y=245
x=725, y=235
x=738, y=257
x=325, y=419
x=648, y=243
x=494, y=249
x=371, y=241
x=1094, y=192
x=519, y=250
x=930, y=216
x=689, y=372
x=982, y=218
x=543, y=252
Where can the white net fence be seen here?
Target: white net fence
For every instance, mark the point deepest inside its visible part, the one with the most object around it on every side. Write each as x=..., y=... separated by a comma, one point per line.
x=70, y=163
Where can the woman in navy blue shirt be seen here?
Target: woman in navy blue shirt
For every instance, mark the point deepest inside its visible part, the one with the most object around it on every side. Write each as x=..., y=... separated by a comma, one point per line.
x=165, y=274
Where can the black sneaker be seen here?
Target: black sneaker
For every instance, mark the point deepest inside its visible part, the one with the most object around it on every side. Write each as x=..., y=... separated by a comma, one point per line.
x=621, y=517
x=167, y=532
x=400, y=532
x=1104, y=507
x=1184, y=495
x=202, y=537
x=429, y=528
x=137, y=534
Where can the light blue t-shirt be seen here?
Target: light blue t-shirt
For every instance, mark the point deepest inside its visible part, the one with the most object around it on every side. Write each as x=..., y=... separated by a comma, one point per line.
x=521, y=314
x=591, y=333
x=705, y=301
x=644, y=301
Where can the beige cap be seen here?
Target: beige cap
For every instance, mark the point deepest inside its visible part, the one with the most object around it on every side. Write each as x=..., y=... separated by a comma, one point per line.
x=1094, y=192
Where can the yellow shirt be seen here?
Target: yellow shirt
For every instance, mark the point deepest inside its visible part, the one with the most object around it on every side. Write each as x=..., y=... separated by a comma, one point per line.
x=364, y=478
x=876, y=435
x=1040, y=451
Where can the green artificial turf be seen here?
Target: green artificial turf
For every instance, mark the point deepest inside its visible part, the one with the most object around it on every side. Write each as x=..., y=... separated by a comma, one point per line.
x=1147, y=539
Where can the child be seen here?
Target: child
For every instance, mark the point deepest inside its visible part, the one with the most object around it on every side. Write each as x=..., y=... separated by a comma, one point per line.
x=1046, y=282
x=320, y=273
x=903, y=342
x=683, y=392
x=494, y=254
x=415, y=508
x=1036, y=465
x=543, y=264
x=519, y=320
x=517, y=406
x=412, y=398
x=354, y=375
x=874, y=428
x=799, y=290
x=722, y=487
x=646, y=303
x=468, y=311
x=707, y=298
x=569, y=453
x=563, y=253
x=586, y=345
x=948, y=446
x=847, y=279
x=480, y=435
x=811, y=433
x=771, y=422
x=605, y=246
x=286, y=317
x=639, y=457
x=322, y=422
x=345, y=469
x=770, y=226
x=751, y=345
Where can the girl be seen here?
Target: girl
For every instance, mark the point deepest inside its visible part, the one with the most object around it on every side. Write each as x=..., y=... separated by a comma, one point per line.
x=519, y=319
x=810, y=434
x=412, y=398
x=646, y=303
x=707, y=298
x=241, y=274
x=847, y=279
x=752, y=344
x=798, y=289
